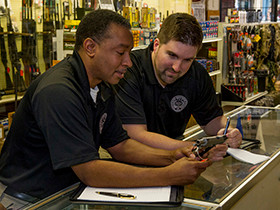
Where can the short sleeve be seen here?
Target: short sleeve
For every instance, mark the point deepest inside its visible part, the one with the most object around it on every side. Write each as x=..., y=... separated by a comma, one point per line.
x=206, y=106
x=62, y=117
x=128, y=98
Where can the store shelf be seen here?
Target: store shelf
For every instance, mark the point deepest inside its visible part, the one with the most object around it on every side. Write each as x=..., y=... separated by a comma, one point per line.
x=140, y=47
x=218, y=72
x=204, y=41
x=67, y=52
x=212, y=40
x=248, y=100
x=213, y=73
x=9, y=98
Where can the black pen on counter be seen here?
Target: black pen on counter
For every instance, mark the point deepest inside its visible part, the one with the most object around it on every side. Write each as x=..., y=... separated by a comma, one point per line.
x=227, y=125
x=116, y=194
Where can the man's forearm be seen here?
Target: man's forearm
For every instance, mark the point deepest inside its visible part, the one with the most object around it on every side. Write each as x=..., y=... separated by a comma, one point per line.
x=214, y=125
x=163, y=142
x=174, y=167
x=99, y=173
x=135, y=152
x=152, y=139
x=102, y=173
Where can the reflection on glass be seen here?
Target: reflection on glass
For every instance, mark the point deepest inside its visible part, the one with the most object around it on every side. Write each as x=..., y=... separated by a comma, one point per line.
x=222, y=177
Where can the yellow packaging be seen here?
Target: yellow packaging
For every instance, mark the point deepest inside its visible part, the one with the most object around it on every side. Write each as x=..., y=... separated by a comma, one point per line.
x=71, y=24
x=135, y=17
x=132, y=15
x=136, y=34
x=145, y=17
x=127, y=13
x=152, y=17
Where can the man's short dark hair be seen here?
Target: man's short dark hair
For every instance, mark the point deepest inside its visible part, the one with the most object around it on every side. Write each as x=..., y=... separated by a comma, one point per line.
x=181, y=27
x=95, y=25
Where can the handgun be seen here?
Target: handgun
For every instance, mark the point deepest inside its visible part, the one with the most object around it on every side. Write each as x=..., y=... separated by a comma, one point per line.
x=203, y=145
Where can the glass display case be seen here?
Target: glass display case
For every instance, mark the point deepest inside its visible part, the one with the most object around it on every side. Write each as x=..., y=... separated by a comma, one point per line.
x=225, y=184
x=234, y=184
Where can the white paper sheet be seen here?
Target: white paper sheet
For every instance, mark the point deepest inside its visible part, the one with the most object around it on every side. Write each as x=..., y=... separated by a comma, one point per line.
x=246, y=156
x=145, y=194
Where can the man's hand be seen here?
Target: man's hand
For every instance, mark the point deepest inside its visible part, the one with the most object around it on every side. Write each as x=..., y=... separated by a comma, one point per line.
x=234, y=137
x=217, y=153
x=183, y=152
x=185, y=171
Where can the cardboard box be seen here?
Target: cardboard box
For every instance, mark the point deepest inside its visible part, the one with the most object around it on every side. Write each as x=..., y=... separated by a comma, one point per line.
x=213, y=15
x=10, y=118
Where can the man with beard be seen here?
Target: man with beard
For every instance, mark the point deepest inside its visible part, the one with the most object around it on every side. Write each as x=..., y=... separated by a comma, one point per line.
x=165, y=86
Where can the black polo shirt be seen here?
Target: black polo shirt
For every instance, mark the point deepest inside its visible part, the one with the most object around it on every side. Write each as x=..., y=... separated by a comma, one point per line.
x=140, y=99
x=57, y=125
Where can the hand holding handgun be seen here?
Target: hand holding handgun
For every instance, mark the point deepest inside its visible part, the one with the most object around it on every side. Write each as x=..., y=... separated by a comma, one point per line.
x=204, y=144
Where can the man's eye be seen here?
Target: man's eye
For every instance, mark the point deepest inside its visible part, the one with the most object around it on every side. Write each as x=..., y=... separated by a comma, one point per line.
x=172, y=55
x=120, y=53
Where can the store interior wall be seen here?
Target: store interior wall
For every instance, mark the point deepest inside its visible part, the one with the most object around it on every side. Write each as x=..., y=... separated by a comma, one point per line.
x=164, y=7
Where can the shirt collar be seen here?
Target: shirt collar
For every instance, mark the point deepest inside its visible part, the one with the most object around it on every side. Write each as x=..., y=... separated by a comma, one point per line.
x=79, y=71
x=81, y=75
x=148, y=65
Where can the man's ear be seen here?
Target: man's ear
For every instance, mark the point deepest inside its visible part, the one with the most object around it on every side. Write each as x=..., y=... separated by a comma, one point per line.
x=90, y=47
x=156, y=44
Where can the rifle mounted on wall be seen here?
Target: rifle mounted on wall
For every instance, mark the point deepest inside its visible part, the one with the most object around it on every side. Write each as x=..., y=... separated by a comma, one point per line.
x=18, y=80
x=28, y=54
x=9, y=85
x=48, y=31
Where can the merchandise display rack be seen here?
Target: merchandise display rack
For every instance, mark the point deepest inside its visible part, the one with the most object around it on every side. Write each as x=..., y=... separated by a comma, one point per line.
x=222, y=34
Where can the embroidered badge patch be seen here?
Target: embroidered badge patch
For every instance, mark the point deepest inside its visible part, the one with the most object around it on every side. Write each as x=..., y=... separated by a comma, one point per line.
x=102, y=121
x=178, y=103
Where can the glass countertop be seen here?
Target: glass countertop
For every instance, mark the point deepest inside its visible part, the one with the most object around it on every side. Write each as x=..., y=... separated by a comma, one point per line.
x=221, y=179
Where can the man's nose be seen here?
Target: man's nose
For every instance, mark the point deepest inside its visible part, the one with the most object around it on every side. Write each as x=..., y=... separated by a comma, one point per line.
x=127, y=61
x=176, y=66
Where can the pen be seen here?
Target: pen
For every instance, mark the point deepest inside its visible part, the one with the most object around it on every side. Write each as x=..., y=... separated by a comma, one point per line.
x=118, y=195
x=227, y=125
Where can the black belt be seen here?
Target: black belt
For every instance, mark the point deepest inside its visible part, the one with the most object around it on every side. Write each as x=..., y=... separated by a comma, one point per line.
x=21, y=196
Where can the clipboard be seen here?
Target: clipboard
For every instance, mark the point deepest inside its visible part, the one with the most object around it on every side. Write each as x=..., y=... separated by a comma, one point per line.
x=176, y=198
